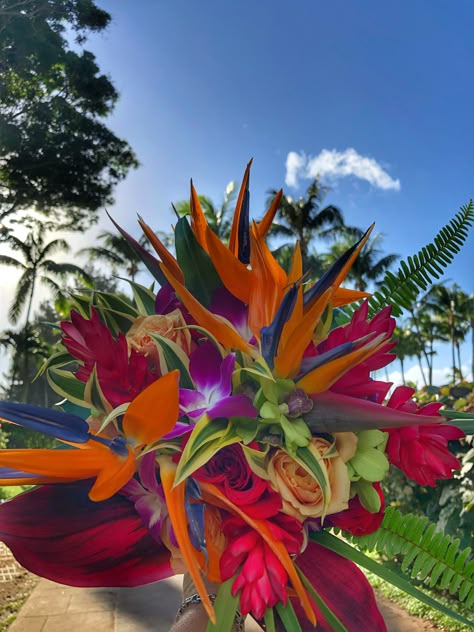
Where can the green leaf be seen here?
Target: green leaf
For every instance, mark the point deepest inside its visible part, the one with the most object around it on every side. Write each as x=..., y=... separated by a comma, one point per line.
x=288, y=617
x=144, y=298
x=401, y=289
x=206, y=439
x=56, y=360
x=349, y=552
x=328, y=614
x=269, y=619
x=309, y=459
x=225, y=608
x=175, y=358
x=200, y=276
x=65, y=384
x=94, y=395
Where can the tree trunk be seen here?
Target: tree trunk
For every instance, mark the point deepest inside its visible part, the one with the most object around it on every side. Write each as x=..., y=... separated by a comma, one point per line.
x=26, y=359
x=426, y=356
x=423, y=377
x=403, y=371
x=458, y=351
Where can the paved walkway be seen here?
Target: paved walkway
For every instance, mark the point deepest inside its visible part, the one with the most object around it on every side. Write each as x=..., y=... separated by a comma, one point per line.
x=55, y=608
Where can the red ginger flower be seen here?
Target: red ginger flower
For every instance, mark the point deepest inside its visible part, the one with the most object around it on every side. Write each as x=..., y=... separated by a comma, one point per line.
x=122, y=376
x=421, y=452
x=261, y=577
x=357, y=382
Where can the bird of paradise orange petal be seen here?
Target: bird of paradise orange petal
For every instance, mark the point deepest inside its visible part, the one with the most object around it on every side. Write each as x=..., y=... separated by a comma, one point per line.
x=111, y=463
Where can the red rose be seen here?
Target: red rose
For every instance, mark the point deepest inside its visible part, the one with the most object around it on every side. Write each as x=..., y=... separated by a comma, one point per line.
x=356, y=519
x=229, y=470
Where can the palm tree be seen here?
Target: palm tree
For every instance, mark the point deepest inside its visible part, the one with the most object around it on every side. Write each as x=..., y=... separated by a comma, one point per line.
x=117, y=253
x=408, y=346
x=453, y=309
x=218, y=218
x=38, y=266
x=306, y=219
x=371, y=264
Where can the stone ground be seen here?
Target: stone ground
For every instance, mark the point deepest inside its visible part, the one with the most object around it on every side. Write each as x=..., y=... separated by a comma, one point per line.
x=55, y=608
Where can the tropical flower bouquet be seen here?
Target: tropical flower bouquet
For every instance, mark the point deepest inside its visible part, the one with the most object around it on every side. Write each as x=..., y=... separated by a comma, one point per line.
x=229, y=426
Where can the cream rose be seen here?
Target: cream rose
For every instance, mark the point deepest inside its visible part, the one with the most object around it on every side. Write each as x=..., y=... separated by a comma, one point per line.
x=301, y=494
x=166, y=325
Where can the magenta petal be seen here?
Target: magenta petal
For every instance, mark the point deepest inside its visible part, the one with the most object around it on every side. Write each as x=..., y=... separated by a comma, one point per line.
x=179, y=430
x=223, y=387
x=147, y=473
x=58, y=533
x=205, y=367
x=233, y=406
x=190, y=400
x=344, y=589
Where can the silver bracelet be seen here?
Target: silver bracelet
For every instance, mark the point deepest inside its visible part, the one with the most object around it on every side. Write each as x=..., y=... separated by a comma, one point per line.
x=196, y=599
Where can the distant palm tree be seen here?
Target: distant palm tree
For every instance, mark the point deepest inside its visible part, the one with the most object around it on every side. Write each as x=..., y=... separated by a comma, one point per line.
x=24, y=345
x=371, y=264
x=408, y=346
x=117, y=253
x=304, y=218
x=453, y=309
x=218, y=218
x=37, y=266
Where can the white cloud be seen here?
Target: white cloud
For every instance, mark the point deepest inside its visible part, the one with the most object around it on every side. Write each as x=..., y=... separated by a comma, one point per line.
x=333, y=164
x=413, y=374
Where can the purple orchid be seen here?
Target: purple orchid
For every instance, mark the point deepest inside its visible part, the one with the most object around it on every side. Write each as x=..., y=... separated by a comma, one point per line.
x=212, y=376
x=147, y=496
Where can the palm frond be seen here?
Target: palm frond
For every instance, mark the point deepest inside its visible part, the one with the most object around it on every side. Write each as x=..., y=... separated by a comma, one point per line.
x=428, y=554
x=22, y=292
x=5, y=260
x=17, y=244
x=98, y=252
x=417, y=272
x=57, y=245
x=62, y=270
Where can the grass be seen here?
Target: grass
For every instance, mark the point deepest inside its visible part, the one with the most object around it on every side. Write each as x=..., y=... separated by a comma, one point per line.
x=415, y=607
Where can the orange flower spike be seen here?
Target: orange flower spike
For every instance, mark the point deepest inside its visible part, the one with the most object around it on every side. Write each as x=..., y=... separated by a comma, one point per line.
x=198, y=219
x=234, y=233
x=166, y=257
x=218, y=326
x=154, y=412
x=268, y=283
x=110, y=479
x=234, y=274
x=343, y=273
x=344, y=296
x=212, y=493
x=261, y=228
x=74, y=465
x=295, y=276
x=290, y=353
x=174, y=497
x=323, y=377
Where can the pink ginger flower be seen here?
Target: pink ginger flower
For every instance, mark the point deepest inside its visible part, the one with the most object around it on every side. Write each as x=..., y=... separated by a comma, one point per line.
x=421, y=452
x=261, y=577
x=122, y=375
x=357, y=382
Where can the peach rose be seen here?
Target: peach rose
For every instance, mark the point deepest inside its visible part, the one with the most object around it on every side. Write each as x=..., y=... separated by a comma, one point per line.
x=301, y=494
x=166, y=325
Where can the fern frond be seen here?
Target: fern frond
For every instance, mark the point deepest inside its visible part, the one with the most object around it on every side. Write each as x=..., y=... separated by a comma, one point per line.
x=428, y=555
x=418, y=272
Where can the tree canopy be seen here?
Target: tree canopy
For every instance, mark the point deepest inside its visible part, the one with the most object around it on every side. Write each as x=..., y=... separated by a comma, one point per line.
x=57, y=155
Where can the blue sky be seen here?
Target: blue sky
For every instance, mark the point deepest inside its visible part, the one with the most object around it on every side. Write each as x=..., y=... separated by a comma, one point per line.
x=205, y=86
x=380, y=91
